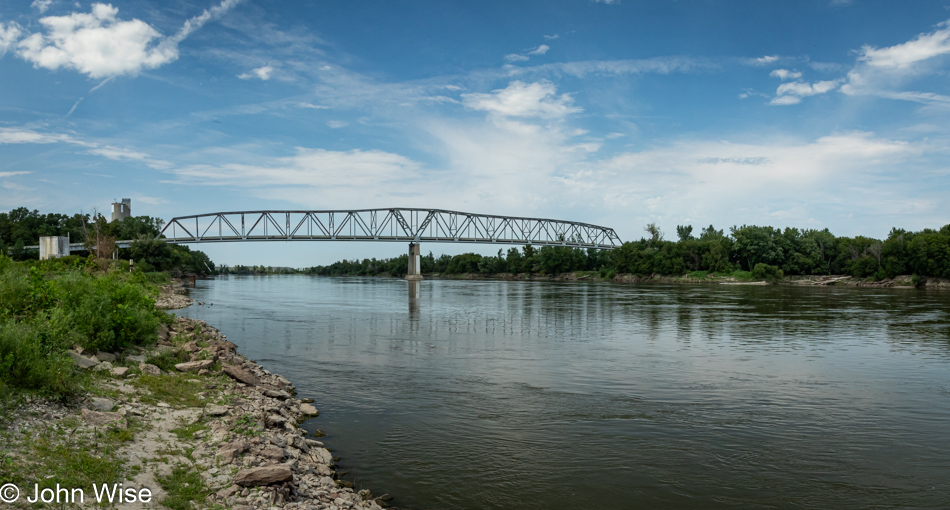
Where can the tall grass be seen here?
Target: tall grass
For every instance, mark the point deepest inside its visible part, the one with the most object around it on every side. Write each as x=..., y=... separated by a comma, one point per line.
x=48, y=307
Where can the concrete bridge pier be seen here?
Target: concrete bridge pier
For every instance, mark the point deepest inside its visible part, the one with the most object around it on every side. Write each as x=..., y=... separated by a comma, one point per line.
x=415, y=262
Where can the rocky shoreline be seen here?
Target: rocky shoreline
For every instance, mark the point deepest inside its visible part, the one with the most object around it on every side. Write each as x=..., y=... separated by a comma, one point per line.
x=211, y=429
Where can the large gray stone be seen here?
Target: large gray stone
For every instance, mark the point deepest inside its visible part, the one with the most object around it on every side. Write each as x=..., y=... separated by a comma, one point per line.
x=149, y=369
x=309, y=410
x=281, y=394
x=120, y=372
x=322, y=456
x=105, y=356
x=194, y=366
x=102, y=367
x=82, y=361
x=101, y=404
x=264, y=476
x=240, y=374
x=216, y=410
x=273, y=452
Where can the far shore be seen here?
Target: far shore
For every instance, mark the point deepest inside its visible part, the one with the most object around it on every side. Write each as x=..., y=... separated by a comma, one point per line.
x=903, y=281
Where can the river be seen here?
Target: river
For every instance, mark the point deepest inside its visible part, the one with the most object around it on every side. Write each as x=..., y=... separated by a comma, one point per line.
x=548, y=395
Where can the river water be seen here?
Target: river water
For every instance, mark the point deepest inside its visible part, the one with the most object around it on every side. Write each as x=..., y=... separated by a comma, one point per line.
x=548, y=395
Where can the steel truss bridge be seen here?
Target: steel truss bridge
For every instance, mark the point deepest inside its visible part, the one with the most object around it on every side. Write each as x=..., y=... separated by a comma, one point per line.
x=412, y=225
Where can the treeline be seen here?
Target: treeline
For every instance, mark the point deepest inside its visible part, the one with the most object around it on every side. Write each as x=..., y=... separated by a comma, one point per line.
x=21, y=227
x=257, y=270
x=766, y=252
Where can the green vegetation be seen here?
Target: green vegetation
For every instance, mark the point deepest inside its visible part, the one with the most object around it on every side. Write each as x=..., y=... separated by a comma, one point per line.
x=48, y=307
x=183, y=487
x=247, y=425
x=746, y=253
x=167, y=358
x=174, y=389
x=62, y=453
x=22, y=227
x=186, y=431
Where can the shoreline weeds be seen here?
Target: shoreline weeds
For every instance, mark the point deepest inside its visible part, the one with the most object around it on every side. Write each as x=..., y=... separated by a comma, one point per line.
x=211, y=430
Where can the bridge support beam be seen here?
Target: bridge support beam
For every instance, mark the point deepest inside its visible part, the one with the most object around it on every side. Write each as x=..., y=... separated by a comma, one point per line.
x=415, y=263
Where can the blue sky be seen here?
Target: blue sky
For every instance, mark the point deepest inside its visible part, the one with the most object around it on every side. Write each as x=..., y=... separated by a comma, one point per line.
x=814, y=114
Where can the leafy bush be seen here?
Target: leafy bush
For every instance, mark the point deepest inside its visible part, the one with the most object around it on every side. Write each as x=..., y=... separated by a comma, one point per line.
x=43, y=313
x=767, y=272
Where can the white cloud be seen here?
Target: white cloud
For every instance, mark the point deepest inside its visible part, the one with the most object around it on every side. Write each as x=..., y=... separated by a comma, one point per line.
x=785, y=74
x=722, y=181
x=785, y=100
x=119, y=154
x=11, y=174
x=95, y=44
x=9, y=33
x=540, y=50
x=22, y=136
x=792, y=92
x=514, y=57
x=768, y=59
x=580, y=69
x=520, y=99
x=552, y=37
x=14, y=135
x=901, y=56
x=309, y=167
x=608, y=2
x=100, y=45
x=262, y=73
x=522, y=57
x=41, y=5
x=337, y=124
x=313, y=106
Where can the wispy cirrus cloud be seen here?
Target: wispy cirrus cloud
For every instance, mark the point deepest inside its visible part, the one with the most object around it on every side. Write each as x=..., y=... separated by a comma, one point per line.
x=30, y=136
x=902, y=56
x=887, y=72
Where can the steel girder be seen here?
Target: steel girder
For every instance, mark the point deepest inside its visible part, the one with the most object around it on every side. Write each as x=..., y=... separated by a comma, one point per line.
x=412, y=225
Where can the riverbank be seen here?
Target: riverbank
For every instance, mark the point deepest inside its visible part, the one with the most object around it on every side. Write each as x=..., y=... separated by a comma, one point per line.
x=702, y=277
x=187, y=423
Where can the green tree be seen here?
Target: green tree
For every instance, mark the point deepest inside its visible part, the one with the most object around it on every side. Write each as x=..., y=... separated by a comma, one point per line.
x=684, y=232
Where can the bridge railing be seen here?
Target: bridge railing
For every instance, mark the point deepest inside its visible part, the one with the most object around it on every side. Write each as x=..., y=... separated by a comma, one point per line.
x=412, y=225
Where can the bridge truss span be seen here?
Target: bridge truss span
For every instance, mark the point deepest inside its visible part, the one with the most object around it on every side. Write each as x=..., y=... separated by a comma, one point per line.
x=404, y=225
